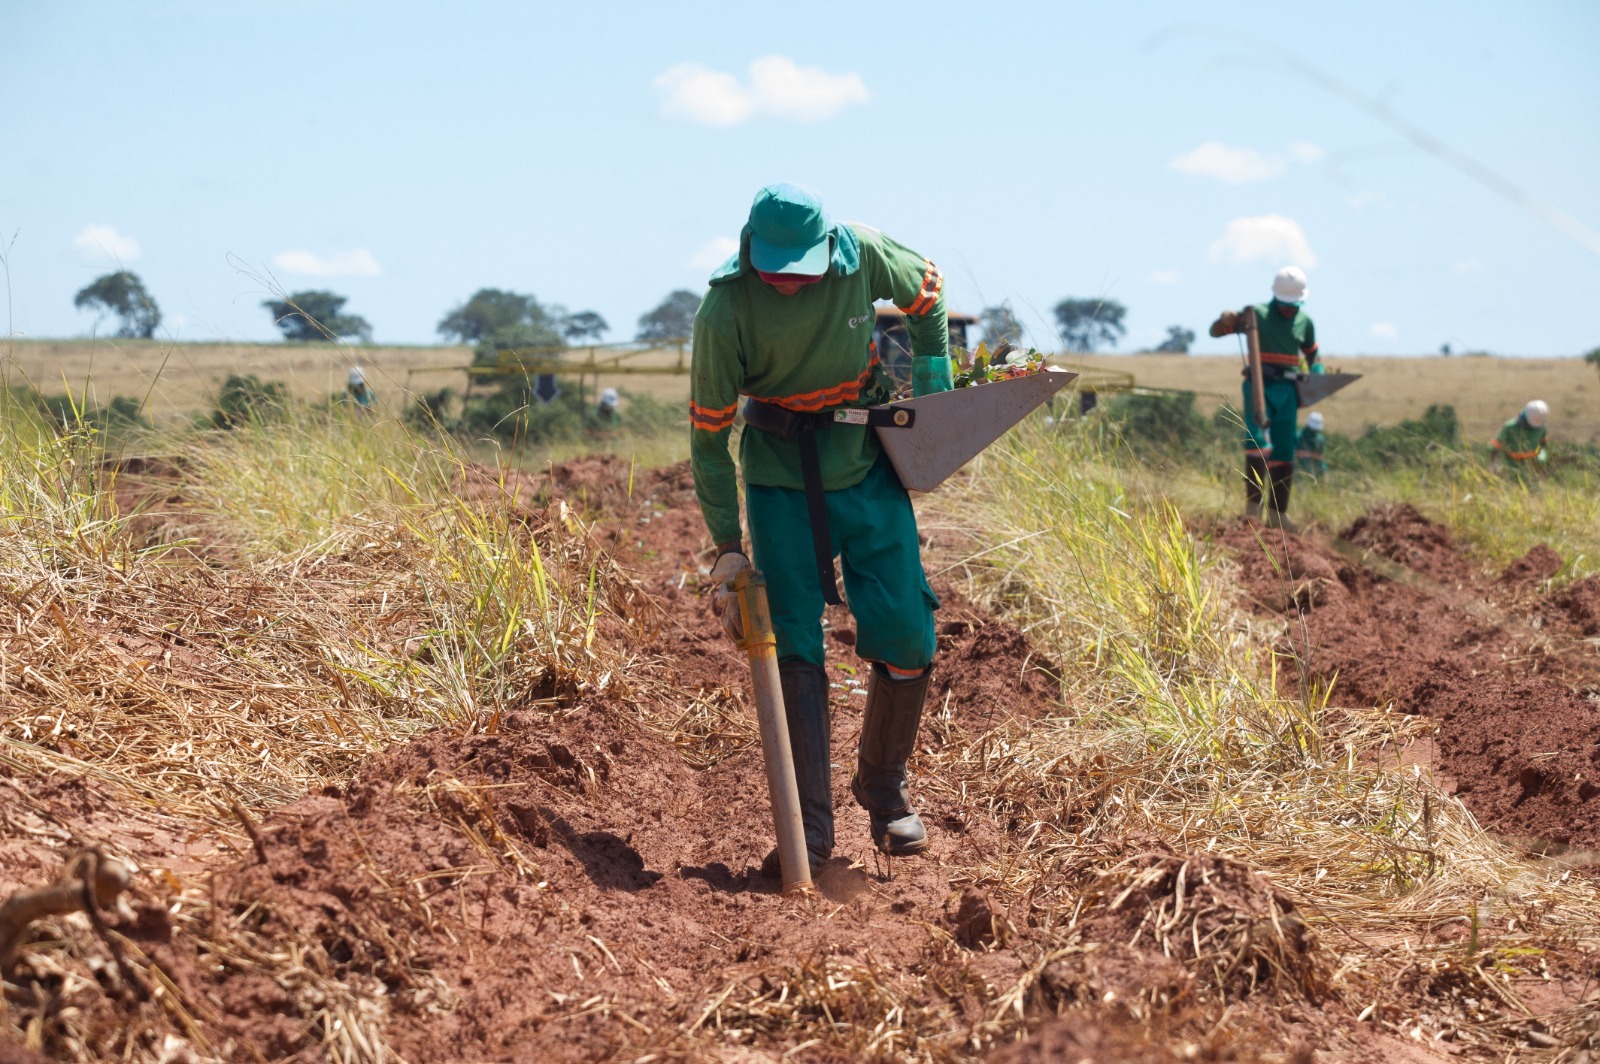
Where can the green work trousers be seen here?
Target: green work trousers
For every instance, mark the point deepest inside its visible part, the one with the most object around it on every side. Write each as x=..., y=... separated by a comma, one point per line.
x=1275, y=443
x=874, y=533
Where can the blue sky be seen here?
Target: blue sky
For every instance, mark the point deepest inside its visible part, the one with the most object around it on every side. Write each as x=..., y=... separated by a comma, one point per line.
x=598, y=155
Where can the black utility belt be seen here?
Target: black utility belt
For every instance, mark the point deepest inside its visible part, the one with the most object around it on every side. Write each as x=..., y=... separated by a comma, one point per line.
x=802, y=427
x=788, y=424
x=1270, y=372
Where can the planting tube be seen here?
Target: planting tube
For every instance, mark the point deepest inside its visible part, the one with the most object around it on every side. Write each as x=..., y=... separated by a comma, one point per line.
x=762, y=646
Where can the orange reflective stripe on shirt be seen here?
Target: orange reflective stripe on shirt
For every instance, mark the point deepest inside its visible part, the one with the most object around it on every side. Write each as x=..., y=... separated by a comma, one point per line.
x=1521, y=456
x=1272, y=358
x=932, y=282
x=711, y=420
x=810, y=402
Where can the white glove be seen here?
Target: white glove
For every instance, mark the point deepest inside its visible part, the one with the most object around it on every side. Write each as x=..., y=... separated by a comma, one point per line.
x=726, y=601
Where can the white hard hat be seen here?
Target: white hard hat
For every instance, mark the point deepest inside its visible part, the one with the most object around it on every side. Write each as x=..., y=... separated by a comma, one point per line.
x=1314, y=420
x=1290, y=285
x=1536, y=412
x=609, y=397
x=356, y=376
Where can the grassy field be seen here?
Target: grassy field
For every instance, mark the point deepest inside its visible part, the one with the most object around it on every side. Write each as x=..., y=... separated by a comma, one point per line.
x=180, y=378
x=1484, y=390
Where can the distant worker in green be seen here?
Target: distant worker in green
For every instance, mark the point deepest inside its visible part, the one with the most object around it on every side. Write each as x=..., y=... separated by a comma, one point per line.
x=606, y=414
x=1288, y=350
x=358, y=390
x=1521, y=440
x=1311, y=447
x=787, y=325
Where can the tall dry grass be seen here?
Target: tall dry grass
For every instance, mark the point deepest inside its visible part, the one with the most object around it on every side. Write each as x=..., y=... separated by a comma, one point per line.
x=1180, y=726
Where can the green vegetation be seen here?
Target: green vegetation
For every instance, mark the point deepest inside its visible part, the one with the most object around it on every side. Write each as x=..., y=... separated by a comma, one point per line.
x=122, y=294
x=1088, y=324
x=1495, y=510
x=312, y=315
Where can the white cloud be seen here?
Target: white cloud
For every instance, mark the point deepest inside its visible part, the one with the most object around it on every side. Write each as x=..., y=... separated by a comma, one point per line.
x=1235, y=166
x=1384, y=331
x=714, y=253
x=1264, y=237
x=1469, y=265
x=1238, y=166
x=777, y=88
x=1166, y=277
x=357, y=263
x=1303, y=151
x=98, y=240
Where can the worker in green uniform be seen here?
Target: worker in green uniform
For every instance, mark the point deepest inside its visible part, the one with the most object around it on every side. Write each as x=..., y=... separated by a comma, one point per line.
x=1288, y=349
x=1311, y=447
x=358, y=390
x=1521, y=440
x=787, y=325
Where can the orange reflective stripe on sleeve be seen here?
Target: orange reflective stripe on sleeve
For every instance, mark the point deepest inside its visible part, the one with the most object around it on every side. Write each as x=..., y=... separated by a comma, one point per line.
x=932, y=284
x=711, y=420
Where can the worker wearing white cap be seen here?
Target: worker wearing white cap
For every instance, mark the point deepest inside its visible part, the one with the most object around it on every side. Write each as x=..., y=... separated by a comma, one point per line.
x=1521, y=439
x=357, y=388
x=606, y=413
x=1309, y=449
x=1288, y=351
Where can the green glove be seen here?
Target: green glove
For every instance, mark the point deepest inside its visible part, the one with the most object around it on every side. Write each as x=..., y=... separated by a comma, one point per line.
x=1316, y=367
x=929, y=374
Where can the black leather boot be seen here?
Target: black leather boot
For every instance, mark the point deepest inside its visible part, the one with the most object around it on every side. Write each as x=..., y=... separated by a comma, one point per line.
x=1278, y=505
x=805, y=709
x=1255, y=476
x=888, y=735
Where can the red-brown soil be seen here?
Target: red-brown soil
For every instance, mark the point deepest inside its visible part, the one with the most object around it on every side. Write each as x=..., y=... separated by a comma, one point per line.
x=579, y=881
x=1504, y=669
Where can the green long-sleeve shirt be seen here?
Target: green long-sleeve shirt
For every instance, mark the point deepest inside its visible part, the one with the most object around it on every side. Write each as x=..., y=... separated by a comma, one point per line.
x=1520, y=441
x=1309, y=450
x=807, y=352
x=1285, y=336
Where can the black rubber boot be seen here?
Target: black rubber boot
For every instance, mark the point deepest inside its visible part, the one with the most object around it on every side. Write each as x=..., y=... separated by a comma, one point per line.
x=888, y=735
x=1255, y=476
x=1278, y=506
x=805, y=709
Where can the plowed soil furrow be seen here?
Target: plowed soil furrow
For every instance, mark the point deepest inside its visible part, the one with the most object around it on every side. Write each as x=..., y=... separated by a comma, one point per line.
x=1510, y=674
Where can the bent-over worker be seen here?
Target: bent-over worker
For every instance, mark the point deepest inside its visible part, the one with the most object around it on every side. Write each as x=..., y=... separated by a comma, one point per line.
x=1288, y=343
x=1310, y=449
x=787, y=324
x=357, y=388
x=1522, y=438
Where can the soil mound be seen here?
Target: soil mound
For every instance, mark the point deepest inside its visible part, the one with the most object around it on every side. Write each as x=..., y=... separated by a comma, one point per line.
x=1519, y=728
x=1580, y=603
x=1540, y=563
x=1401, y=534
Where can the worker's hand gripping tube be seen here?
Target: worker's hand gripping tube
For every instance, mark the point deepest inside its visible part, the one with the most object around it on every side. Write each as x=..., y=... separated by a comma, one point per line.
x=762, y=646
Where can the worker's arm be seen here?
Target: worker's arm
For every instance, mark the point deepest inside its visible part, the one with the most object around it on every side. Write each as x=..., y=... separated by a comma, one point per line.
x=1229, y=321
x=916, y=286
x=715, y=374
x=1308, y=348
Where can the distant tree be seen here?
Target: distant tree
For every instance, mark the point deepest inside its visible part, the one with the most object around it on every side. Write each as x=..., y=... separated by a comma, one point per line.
x=1177, y=341
x=314, y=315
x=491, y=309
x=1593, y=358
x=672, y=320
x=585, y=324
x=122, y=294
x=1000, y=325
x=1085, y=324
